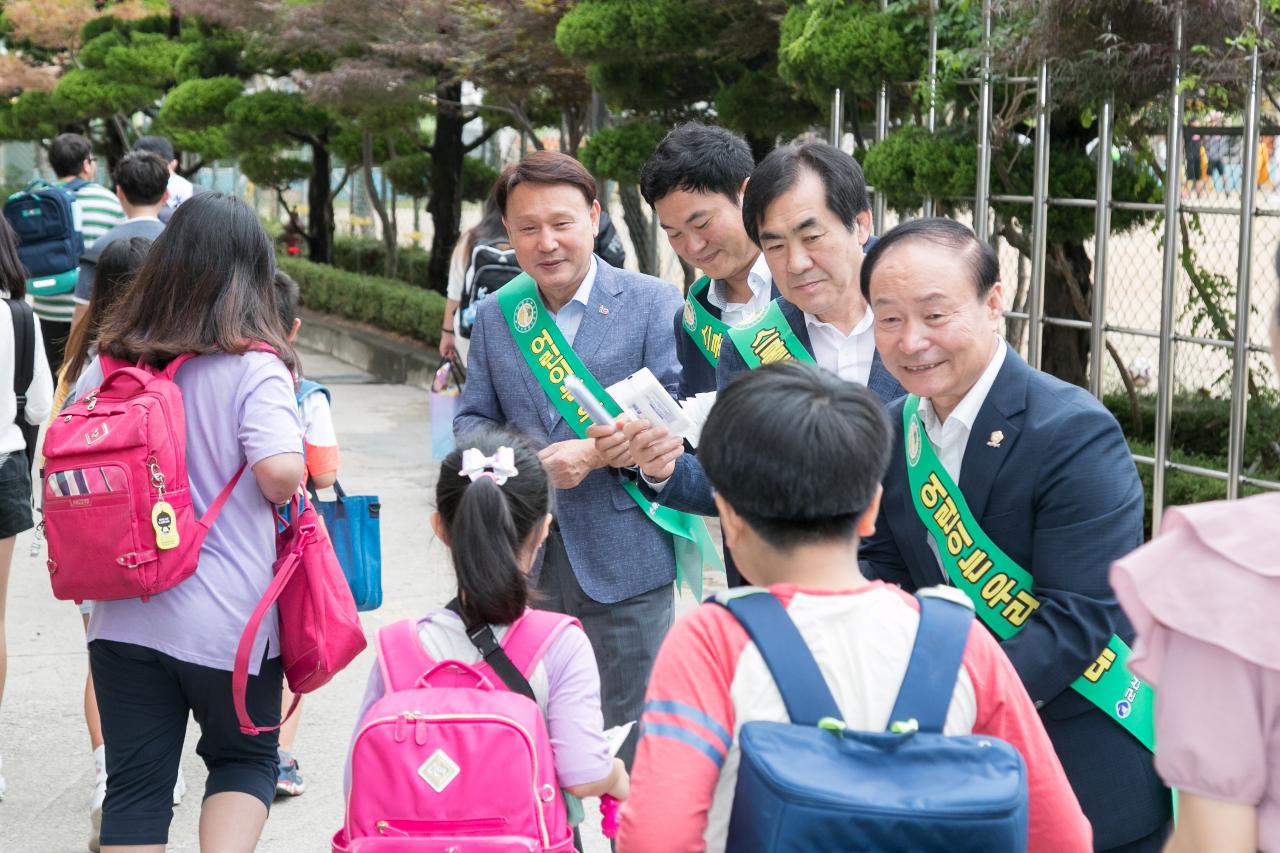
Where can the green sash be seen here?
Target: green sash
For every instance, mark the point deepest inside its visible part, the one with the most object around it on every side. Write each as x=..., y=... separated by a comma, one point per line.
x=551, y=359
x=705, y=328
x=1001, y=589
x=769, y=339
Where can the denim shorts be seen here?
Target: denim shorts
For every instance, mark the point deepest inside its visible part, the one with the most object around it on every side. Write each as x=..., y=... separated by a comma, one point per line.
x=15, y=494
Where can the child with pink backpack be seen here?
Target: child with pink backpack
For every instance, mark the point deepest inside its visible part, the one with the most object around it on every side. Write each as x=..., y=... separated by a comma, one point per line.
x=478, y=715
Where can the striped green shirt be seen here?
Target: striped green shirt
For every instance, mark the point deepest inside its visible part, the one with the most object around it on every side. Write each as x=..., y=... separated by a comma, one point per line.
x=98, y=210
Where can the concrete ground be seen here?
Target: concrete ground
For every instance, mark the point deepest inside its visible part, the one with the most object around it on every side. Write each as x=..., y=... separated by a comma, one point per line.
x=384, y=431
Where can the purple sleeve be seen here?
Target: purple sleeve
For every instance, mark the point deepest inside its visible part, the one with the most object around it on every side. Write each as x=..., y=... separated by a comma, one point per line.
x=574, y=719
x=269, y=421
x=372, y=693
x=1212, y=721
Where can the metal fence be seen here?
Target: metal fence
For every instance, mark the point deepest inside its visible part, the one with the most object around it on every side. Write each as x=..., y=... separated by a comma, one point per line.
x=1173, y=303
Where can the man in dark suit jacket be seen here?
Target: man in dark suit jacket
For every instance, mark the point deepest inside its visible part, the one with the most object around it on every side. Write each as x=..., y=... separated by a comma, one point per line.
x=606, y=562
x=806, y=207
x=1045, y=470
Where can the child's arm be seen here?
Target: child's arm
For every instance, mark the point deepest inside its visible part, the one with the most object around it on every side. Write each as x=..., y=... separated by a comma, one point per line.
x=321, y=441
x=617, y=784
x=584, y=766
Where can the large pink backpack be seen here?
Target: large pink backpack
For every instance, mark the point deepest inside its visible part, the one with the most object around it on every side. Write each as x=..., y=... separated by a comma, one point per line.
x=449, y=759
x=117, y=509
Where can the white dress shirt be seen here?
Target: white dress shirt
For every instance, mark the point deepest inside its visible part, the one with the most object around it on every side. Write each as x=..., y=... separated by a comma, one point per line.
x=569, y=317
x=950, y=437
x=735, y=314
x=847, y=356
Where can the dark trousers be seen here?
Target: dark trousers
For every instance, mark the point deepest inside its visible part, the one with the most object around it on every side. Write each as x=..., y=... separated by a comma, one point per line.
x=625, y=636
x=55, y=334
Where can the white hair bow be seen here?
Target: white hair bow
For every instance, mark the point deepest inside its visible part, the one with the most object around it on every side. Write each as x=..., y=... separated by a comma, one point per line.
x=499, y=467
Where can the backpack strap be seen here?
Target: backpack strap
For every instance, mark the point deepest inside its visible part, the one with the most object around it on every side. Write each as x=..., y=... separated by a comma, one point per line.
x=492, y=653
x=930, y=680
x=75, y=184
x=307, y=387
x=401, y=658
x=804, y=690
x=529, y=637
x=24, y=348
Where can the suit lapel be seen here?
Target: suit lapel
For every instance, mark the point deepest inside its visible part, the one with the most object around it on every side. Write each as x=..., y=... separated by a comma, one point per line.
x=986, y=452
x=881, y=382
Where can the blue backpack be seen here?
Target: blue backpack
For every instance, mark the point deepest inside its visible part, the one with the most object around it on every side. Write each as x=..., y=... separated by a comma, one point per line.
x=354, y=525
x=814, y=785
x=49, y=240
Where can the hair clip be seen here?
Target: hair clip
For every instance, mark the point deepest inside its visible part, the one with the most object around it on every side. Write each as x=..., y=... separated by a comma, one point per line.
x=499, y=467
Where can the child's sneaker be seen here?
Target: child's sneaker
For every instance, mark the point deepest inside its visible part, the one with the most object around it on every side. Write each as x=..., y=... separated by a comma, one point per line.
x=179, y=788
x=288, y=779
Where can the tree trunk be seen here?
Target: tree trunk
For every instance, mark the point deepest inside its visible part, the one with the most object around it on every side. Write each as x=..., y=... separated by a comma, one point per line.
x=320, y=219
x=637, y=226
x=388, y=229
x=1065, y=352
x=445, y=205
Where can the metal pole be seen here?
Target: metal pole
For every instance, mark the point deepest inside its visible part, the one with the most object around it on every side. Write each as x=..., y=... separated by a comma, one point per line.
x=1240, y=351
x=1039, y=218
x=1169, y=272
x=882, y=130
x=981, y=200
x=837, y=117
x=933, y=85
x=1101, y=238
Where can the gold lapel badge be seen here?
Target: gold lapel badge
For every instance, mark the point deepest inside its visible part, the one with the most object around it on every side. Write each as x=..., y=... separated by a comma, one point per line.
x=995, y=439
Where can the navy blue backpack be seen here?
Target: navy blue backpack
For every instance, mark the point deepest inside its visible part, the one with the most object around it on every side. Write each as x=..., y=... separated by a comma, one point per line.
x=354, y=525
x=814, y=785
x=49, y=240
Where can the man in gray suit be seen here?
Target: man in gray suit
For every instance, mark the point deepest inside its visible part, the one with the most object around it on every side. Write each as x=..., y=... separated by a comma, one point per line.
x=608, y=563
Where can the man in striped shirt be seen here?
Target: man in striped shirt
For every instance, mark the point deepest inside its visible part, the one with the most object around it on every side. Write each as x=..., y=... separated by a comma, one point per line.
x=97, y=209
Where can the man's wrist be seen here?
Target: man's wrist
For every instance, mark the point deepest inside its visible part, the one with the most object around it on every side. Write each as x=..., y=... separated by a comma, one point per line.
x=446, y=331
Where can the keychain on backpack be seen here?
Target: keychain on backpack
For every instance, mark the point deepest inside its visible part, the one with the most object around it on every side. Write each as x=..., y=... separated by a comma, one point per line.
x=162, y=521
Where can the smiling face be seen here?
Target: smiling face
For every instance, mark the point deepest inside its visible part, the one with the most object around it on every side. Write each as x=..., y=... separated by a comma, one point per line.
x=553, y=231
x=933, y=331
x=814, y=259
x=705, y=229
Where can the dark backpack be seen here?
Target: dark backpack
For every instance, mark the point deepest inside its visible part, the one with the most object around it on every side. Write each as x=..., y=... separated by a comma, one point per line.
x=493, y=264
x=49, y=242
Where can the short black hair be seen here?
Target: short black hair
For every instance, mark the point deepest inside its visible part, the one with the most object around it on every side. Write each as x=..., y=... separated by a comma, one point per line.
x=142, y=177
x=828, y=446
x=158, y=145
x=984, y=265
x=699, y=159
x=67, y=154
x=841, y=176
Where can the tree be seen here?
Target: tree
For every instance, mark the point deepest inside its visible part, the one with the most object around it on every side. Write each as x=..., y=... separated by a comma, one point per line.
x=617, y=154
x=669, y=60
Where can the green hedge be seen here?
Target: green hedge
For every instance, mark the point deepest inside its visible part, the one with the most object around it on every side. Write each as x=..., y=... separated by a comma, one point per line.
x=383, y=302
x=1200, y=427
x=367, y=256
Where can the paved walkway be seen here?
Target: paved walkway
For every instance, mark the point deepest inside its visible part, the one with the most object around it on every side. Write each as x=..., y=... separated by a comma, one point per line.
x=384, y=431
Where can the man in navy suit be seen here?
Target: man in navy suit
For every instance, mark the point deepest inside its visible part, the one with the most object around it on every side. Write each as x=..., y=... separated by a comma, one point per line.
x=806, y=207
x=694, y=181
x=607, y=563
x=1045, y=470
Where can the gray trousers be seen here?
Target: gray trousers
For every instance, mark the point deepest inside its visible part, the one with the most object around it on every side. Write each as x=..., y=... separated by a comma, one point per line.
x=625, y=636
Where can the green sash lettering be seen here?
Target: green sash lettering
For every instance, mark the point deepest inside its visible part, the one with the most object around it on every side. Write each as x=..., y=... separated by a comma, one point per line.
x=707, y=330
x=551, y=359
x=1001, y=590
x=769, y=339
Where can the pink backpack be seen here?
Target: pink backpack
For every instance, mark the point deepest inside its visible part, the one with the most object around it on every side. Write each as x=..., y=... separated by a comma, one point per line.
x=117, y=510
x=449, y=759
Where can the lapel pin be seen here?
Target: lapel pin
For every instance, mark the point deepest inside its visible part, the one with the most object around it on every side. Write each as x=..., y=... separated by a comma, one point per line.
x=995, y=439
x=604, y=310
